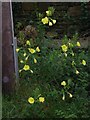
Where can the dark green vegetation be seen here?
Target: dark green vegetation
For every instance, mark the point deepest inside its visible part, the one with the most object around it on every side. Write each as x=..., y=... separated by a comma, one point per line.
x=51, y=69
x=60, y=75
x=17, y=105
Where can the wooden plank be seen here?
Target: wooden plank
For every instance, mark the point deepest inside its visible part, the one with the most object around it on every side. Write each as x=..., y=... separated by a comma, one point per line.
x=0, y=60
x=0, y=45
x=8, y=70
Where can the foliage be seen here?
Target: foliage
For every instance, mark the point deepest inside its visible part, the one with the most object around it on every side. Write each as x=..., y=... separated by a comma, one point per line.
x=60, y=65
x=53, y=81
x=17, y=105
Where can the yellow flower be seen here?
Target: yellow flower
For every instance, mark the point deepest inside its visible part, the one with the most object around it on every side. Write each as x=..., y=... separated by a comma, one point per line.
x=26, y=67
x=63, y=98
x=35, y=61
x=20, y=71
x=24, y=54
x=31, y=71
x=47, y=12
x=78, y=44
x=77, y=72
x=31, y=100
x=37, y=49
x=45, y=20
x=41, y=99
x=28, y=42
x=70, y=95
x=63, y=83
x=50, y=24
x=54, y=21
x=21, y=61
x=64, y=48
x=26, y=58
x=83, y=62
x=65, y=54
x=31, y=50
x=17, y=50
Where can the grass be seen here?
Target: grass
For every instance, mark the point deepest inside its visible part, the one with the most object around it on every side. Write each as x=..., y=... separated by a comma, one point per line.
x=17, y=106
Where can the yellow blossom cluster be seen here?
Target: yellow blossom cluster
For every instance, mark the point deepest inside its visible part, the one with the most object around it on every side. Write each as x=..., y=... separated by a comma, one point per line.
x=48, y=21
x=32, y=51
x=26, y=66
x=63, y=83
x=69, y=45
x=31, y=100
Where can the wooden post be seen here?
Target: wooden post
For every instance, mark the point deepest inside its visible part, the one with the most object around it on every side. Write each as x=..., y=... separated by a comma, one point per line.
x=8, y=68
x=0, y=60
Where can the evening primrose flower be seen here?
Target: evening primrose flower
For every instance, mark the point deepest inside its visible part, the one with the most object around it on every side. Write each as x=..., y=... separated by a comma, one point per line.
x=70, y=95
x=35, y=61
x=45, y=20
x=31, y=50
x=50, y=24
x=54, y=21
x=83, y=62
x=28, y=42
x=63, y=83
x=65, y=54
x=78, y=44
x=26, y=58
x=31, y=71
x=21, y=61
x=20, y=70
x=24, y=54
x=17, y=50
x=64, y=48
x=77, y=72
x=47, y=12
x=37, y=49
x=31, y=100
x=41, y=99
x=63, y=98
x=26, y=67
